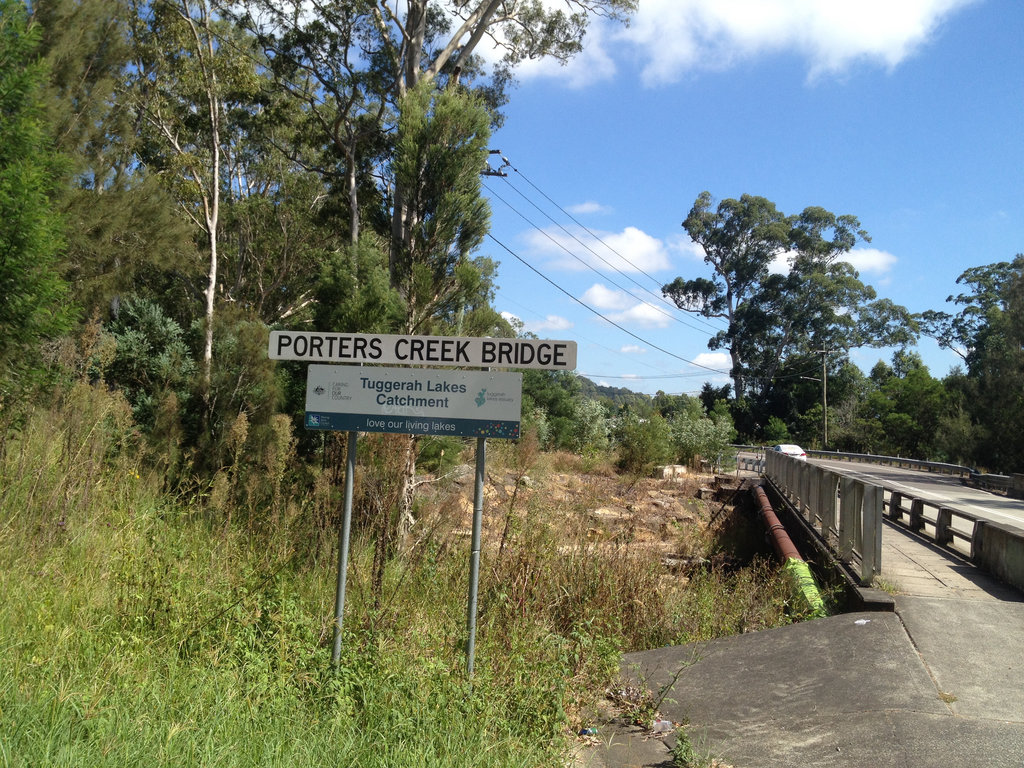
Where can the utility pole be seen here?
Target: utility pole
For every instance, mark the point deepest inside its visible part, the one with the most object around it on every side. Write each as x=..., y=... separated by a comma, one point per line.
x=824, y=397
x=824, y=394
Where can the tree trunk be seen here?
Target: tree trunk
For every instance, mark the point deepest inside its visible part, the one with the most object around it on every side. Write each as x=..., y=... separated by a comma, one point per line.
x=407, y=492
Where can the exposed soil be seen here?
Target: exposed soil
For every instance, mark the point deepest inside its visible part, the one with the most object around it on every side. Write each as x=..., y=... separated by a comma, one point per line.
x=673, y=517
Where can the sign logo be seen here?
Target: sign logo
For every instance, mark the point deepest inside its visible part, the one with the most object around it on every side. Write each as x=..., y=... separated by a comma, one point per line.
x=481, y=398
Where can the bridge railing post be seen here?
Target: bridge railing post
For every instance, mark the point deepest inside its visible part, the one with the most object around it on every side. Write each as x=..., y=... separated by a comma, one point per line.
x=916, y=514
x=808, y=489
x=895, y=506
x=943, y=526
x=851, y=534
x=871, y=525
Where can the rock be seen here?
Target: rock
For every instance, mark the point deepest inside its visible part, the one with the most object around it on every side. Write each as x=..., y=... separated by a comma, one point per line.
x=611, y=513
x=670, y=471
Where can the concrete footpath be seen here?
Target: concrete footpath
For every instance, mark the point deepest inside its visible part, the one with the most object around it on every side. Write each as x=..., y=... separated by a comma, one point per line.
x=940, y=683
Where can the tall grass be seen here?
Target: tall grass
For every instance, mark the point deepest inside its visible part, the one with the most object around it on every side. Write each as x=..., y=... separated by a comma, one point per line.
x=141, y=629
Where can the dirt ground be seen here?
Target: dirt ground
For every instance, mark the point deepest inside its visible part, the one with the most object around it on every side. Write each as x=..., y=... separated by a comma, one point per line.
x=672, y=516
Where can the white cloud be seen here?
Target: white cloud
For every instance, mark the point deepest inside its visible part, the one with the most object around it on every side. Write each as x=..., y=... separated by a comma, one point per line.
x=687, y=248
x=864, y=260
x=671, y=38
x=643, y=314
x=588, y=207
x=623, y=309
x=633, y=349
x=871, y=260
x=717, y=360
x=594, y=64
x=631, y=250
x=605, y=298
x=549, y=323
x=780, y=264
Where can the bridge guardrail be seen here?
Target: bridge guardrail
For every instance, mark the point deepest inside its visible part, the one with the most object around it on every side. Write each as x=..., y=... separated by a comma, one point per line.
x=818, y=493
x=993, y=547
x=1009, y=485
x=845, y=512
x=957, y=470
x=896, y=461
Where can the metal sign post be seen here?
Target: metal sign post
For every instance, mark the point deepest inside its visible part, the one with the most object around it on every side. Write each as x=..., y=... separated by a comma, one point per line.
x=343, y=539
x=474, y=553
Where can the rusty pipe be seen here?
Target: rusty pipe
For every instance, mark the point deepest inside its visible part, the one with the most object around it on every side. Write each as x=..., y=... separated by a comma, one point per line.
x=800, y=576
x=783, y=545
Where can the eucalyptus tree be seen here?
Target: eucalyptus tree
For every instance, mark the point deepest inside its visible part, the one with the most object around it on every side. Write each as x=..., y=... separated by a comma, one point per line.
x=988, y=333
x=741, y=239
x=815, y=304
x=351, y=63
x=190, y=68
x=987, y=298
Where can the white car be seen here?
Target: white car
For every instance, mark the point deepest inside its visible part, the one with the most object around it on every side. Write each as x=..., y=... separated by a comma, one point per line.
x=791, y=450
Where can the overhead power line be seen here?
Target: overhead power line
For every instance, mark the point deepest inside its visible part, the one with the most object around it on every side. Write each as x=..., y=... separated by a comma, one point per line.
x=600, y=315
x=657, y=296
x=593, y=269
x=599, y=239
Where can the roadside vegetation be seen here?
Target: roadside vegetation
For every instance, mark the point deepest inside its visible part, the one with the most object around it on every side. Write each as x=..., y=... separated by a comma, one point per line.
x=141, y=627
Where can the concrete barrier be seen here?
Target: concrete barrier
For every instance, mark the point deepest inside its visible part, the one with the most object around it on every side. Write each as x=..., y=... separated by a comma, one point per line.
x=999, y=549
x=847, y=515
x=844, y=512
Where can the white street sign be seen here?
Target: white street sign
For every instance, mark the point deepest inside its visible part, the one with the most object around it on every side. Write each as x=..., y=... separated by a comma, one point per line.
x=414, y=401
x=391, y=349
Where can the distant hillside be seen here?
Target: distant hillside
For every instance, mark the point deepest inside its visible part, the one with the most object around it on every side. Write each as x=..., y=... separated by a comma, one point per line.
x=618, y=395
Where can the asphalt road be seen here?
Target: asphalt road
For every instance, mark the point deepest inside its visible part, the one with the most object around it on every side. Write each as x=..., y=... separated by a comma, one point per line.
x=949, y=491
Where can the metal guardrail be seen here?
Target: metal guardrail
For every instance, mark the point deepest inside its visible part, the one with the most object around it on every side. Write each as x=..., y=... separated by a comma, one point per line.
x=896, y=461
x=1007, y=485
x=846, y=513
x=870, y=458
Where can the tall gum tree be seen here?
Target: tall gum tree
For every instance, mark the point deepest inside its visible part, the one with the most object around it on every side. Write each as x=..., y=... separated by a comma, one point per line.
x=360, y=67
x=185, y=76
x=740, y=238
x=352, y=64
x=818, y=305
x=988, y=333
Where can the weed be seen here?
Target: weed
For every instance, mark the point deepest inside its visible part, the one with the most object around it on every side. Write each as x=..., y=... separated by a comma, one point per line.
x=137, y=628
x=886, y=585
x=687, y=754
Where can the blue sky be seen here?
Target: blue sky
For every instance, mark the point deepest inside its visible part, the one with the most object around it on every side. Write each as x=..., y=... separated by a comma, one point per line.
x=907, y=114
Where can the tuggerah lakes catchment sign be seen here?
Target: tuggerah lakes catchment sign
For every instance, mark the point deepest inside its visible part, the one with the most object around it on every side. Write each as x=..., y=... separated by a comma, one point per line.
x=414, y=401
x=393, y=349
x=366, y=396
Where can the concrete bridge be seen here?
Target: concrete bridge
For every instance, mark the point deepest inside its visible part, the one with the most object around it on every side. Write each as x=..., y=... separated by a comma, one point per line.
x=931, y=675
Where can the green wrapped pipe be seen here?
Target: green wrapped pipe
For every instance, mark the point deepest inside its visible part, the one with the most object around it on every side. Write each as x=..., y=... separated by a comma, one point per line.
x=804, y=587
